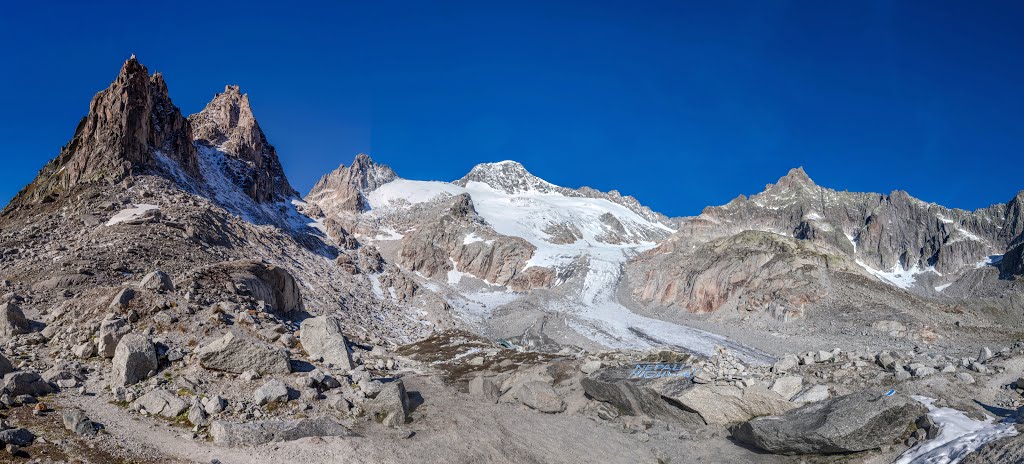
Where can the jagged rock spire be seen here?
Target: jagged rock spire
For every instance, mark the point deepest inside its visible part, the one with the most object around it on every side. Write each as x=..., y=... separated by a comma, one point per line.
x=227, y=124
x=344, y=189
x=128, y=124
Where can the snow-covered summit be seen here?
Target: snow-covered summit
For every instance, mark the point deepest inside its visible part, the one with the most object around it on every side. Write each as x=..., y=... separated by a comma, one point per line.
x=507, y=176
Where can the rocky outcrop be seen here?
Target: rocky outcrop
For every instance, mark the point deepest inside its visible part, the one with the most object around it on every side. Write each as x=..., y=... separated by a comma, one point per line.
x=227, y=124
x=847, y=424
x=131, y=127
x=344, y=189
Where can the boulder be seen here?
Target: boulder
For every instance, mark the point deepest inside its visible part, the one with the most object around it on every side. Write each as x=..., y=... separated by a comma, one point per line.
x=637, y=397
x=788, y=386
x=258, y=433
x=540, y=396
x=390, y=405
x=787, y=363
x=852, y=423
x=17, y=437
x=161, y=402
x=110, y=333
x=157, y=281
x=725, y=404
x=25, y=383
x=122, y=299
x=197, y=415
x=236, y=353
x=483, y=387
x=76, y=421
x=322, y=339
x=271, y=392
x=134, y=359
x=13, y=321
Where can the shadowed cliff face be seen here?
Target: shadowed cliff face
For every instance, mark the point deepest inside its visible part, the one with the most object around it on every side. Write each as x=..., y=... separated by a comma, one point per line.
x=129, y=125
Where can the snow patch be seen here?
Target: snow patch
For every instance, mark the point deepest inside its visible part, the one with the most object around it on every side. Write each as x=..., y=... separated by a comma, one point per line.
x=959, y=437
x=902, y=278
x=131, y=214
x=942, y=287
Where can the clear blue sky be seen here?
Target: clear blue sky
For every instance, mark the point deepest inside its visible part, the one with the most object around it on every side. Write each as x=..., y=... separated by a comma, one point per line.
x=680, y=104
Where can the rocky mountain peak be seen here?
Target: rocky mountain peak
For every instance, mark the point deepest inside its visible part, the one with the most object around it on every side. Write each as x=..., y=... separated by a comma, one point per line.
x=227, y=125
x=507, y=176
x=131, y=127
x=344, y=189
x=795, y=178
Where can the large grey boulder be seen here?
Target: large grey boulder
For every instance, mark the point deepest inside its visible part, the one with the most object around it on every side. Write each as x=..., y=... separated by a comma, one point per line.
x=157, y=281
x=13, y=321
x=636, y=397
x=271, y=392
x=390, y=405
x=258, y=433
x=1006, y=450
x=321, y=337
x=161, y=403
x=237, y=353
x=134, y=358
x=25, y=383
x=540, y=396
x=846, y=424
x=110, y=333
x=726, y=404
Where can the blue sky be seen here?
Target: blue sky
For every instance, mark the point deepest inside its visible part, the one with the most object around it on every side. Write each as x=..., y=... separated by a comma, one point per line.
x=680, y=104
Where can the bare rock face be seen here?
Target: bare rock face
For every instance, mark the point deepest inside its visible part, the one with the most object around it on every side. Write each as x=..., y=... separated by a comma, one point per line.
x=751, y=271
x=457, y=241
x=130, y=126
x=344, y=189
x=227, y=124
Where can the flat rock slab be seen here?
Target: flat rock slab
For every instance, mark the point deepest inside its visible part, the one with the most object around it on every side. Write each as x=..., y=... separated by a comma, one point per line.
x=724, y=404
x=258, y=433
x=846, y=424
x=238, y=353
